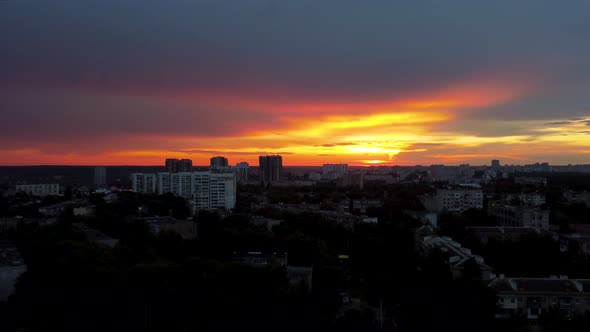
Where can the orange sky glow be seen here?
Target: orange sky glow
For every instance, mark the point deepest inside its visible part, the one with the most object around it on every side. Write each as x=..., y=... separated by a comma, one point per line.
x=405, y=131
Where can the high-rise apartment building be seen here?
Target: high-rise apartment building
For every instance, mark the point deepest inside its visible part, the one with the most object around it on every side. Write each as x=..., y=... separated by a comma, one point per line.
x=270, y=168
x=185, y=165
x=181, y=184
x=219, y=162
x=100, y=177
x=329, y=168
x=213, y=191
x=172, y=165
x=164, y=183
x=143, y=183
x=495, y=164
x=205, y=190
x=334, y=171
x=242, y=171
x=179, y=165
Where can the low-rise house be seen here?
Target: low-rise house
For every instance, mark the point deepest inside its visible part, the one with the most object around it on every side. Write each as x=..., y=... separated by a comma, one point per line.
x=186, y=229
x=532, y=199
x=7, y=224
x=454, y=200
x=266, y=223
x=532, y=297
x=359, y=206
x=580, y=197
x=370, y=220
x=425, y=217
x=499, y=233
x=55, y=210
x=519, y=215
x=260, y=259
x=46, y=189
x=458, y=256
x=12, y=267
x=532, y=181
x=95, y=236
x=300, y=277
x=84, y=211
x=575, y=241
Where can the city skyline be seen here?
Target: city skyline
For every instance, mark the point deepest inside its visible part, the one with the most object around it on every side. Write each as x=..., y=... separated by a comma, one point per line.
x=112, y=83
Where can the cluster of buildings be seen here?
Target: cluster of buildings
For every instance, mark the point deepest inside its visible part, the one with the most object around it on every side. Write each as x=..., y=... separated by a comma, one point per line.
x=531, y=297
x=516, y=296
x=206, y=189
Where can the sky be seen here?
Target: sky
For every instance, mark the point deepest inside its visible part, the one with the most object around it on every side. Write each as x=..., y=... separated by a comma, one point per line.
x=360, y=82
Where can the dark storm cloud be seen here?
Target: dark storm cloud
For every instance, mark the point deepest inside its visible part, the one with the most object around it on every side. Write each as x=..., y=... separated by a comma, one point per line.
x=99, y=54
x=301, y=48
x=59, y=115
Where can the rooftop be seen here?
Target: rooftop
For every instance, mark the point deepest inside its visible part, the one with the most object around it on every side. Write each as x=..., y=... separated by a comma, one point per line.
x=552, y=284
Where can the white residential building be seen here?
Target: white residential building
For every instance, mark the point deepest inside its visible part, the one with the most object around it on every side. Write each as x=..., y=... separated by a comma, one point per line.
x=206, y=190
x=459, y=200
x=181, y=184
x=164, y=183
x=222, y=190
x=143, y=183
x=213, y=191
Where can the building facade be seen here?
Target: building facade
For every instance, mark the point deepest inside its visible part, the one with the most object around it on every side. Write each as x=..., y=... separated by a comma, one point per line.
x=534, y=296
x=12, y=266
x=185, y=165
x=495, y=164
x=179, y=165
x=519, y=215
x=457, y=255
x=144, y=183
x=218, y=162
x=242, y=170
x=334, y=171
x=205, y=190
x=172, y=165
x=459, y=200
x=181, y=184
x=270, y=168
x=100, y=177
x=39, y=189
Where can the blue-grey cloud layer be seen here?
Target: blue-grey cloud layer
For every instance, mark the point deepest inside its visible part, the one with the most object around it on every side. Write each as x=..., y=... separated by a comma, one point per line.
x=298, y=50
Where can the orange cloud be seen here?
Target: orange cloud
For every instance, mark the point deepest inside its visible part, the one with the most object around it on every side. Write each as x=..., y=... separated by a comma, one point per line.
x=402, y=130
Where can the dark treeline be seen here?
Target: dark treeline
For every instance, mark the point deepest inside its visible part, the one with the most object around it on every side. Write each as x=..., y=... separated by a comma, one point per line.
x=162, y=282
x=166, y=283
